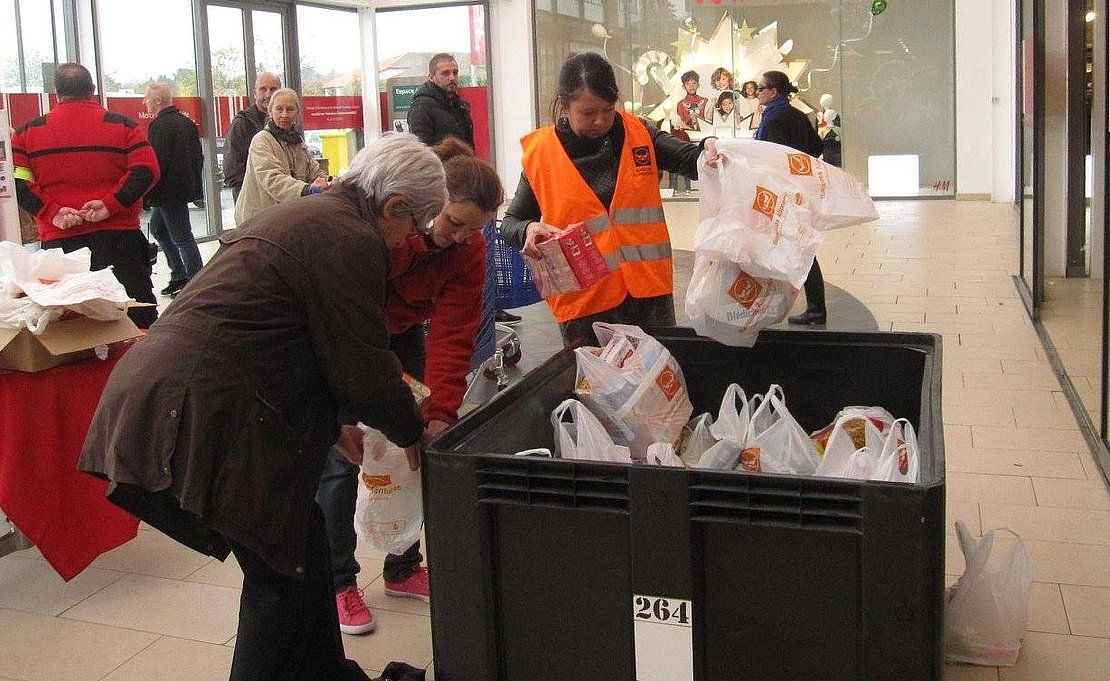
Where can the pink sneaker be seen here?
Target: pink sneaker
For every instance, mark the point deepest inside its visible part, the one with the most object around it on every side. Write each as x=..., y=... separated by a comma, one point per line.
x=354, y=616
x=416, y=586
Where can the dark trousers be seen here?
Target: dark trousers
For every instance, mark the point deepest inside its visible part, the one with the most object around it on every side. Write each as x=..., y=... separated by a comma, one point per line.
x=815, y=289
x=656, y=311
x=170, y=227
x=338, y=490
x=288, y=627
x=126, y=251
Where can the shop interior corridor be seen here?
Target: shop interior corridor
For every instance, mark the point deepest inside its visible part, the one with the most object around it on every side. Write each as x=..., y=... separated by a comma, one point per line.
x=153, y=609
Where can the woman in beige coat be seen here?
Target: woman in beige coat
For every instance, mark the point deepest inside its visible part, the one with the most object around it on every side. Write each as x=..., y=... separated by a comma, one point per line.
x=279, y=166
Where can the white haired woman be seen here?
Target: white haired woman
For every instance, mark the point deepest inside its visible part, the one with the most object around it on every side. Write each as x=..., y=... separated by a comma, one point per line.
x=279, y=165
x=215, y=426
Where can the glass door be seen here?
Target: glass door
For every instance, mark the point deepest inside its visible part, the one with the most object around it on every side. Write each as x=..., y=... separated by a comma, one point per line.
x=242, y=40
x=1030, y=53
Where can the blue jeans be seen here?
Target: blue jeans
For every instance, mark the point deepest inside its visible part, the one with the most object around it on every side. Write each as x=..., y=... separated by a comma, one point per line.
x=338, y=490
x=169, y=225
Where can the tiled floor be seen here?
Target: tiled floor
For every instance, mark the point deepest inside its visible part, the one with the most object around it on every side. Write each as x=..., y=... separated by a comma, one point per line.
x=1015, y=458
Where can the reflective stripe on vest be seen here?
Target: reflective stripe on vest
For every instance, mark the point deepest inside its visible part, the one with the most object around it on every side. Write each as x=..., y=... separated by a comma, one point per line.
x=632, y=236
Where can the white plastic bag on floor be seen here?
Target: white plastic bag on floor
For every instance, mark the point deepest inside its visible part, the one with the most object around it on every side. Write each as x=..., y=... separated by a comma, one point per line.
x=835, y=198
x=988, y=606
x=634, y=386
x=580, y=435
x=389, y=510
x=729, y=305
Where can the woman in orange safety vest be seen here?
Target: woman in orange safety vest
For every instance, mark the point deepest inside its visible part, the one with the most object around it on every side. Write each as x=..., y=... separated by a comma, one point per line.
x=601, y=166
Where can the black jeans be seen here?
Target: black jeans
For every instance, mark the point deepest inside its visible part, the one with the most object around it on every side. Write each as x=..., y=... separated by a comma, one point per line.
x=289, y=627
x=657, y=311
x=127, y=252
x=338, y=490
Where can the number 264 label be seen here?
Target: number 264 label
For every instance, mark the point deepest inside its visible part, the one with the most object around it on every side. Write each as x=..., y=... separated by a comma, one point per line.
x=664, y=638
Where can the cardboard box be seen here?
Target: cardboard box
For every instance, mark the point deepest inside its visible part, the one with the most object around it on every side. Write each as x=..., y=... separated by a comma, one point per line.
x=571, y=262
x=68, y=340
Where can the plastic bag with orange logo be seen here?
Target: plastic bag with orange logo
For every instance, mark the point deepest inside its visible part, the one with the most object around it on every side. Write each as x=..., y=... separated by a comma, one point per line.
x=835, y=198
x=389, y=511
x=776, y=443
x=634, y=386
x=728, y=304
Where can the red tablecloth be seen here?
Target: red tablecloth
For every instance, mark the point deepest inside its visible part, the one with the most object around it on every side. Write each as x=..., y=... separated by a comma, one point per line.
x=44, y=417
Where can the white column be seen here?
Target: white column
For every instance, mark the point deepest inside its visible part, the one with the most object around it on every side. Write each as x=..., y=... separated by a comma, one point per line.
x=513, y=82
x=371, y=105
x=974, y=119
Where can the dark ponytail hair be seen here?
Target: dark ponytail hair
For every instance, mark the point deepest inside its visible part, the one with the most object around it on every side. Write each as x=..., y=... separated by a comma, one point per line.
x=584, y=70
x=779, y=81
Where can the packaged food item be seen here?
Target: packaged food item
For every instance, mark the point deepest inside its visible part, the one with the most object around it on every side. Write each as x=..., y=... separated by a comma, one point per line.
x=571, y=262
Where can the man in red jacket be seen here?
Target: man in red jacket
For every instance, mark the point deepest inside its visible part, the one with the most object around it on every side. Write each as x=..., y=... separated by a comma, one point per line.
x=82, y=172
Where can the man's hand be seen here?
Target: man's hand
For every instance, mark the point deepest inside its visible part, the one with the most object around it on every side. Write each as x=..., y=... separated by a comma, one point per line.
x=322, y=183
x=94, y=211
x=67, y=217
x=534, y=233
x=349, y=444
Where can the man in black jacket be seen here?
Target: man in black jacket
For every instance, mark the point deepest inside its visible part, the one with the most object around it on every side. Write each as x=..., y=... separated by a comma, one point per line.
x=176, y=143
x=246, y=124
x=437, y=110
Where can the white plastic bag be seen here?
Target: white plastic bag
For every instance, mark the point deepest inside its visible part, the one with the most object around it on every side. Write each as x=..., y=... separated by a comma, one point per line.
x=835, y=198
x=389, y=510
x=634, y=386
x=729, y=305
x=775, y=442
x=580, y=435
x=879, y=417
x=987, y=607
x=852, y=448
x=900, y=458
x=755, y=220
x=662, y=454
x=696, y=438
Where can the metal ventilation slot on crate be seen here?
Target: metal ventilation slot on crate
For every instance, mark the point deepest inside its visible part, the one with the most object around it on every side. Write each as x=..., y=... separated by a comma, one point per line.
x=569, y=486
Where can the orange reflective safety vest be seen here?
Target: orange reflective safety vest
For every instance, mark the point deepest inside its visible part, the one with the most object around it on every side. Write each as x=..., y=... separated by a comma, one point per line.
x=632, y=235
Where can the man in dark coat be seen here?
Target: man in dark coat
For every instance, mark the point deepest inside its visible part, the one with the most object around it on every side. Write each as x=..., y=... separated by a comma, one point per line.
x=437, y=110
x=215, y=426
x=246, y=124
x=176, y=142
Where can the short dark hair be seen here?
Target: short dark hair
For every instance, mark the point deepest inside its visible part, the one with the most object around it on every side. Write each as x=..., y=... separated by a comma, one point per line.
x=779, y=81
x=435, y=60
x=690, y=75
x=73, y=81
x=585, y=70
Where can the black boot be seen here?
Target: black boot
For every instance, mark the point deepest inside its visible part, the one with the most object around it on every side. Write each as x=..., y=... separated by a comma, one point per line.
x=815, y=299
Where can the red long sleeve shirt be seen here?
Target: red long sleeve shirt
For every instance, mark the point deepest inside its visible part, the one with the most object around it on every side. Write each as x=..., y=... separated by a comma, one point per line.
x=443, y=285
x=81, y=152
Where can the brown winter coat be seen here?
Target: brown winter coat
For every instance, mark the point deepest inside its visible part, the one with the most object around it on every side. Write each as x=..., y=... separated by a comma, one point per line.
x=229, y=405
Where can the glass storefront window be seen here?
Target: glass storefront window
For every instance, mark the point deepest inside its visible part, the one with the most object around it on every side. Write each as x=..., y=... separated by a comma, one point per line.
x=890, y=77
x=269, y=43
x=331, y=85
x=32, y=41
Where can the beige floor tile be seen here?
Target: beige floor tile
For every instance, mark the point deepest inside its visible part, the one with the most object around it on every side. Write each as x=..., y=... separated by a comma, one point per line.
x=981, y=339
x=993, y=351
x=26, y=585
x=399, y=636
x=153, y=553
x=1027, y=367
x=996, y=489
x=957, y=437
x=1071, y=493
x=968, y=512
x=1088, y=609
x=1046, y=609
x=1054, y=657
x=1016, y=462
x=968, y=672
x=1036, y=439
x=39, y=648
x=983, y=415
x=1082, y=564
x=220, y=573
x=1035, y=416
x=200, y=612
x=175, y=659
x=1079, y=526
x=1020, y=382
x=969, y=398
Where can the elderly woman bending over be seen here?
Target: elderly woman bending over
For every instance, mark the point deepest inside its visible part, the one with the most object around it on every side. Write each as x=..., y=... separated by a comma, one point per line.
x=279, y=165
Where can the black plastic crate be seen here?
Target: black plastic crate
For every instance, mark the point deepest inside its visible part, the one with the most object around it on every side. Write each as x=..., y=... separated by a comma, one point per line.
x=535, y=562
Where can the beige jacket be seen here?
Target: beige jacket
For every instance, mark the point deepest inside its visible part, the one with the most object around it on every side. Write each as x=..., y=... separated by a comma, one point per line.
x=276, y=172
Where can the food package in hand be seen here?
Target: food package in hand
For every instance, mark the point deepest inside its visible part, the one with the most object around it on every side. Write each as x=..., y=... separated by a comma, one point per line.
x=571, y=262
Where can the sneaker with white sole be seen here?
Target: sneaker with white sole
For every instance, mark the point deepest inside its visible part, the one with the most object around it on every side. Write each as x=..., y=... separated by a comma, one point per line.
x=354, y=616
x=415, y=586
